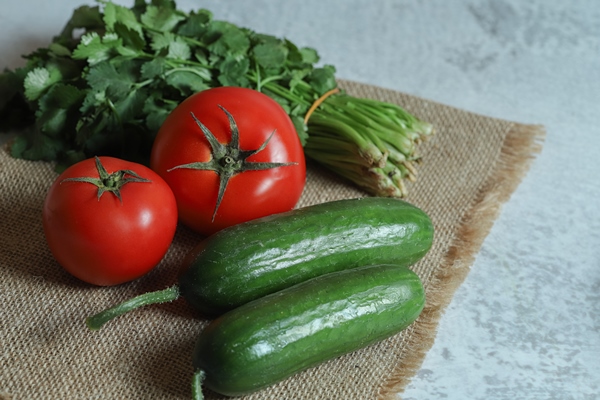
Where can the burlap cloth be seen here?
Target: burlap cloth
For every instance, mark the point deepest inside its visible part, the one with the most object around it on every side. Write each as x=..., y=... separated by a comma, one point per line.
x=470, y=167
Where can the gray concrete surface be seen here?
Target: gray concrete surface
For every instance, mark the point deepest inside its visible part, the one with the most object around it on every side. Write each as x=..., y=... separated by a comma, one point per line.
x=526, y=322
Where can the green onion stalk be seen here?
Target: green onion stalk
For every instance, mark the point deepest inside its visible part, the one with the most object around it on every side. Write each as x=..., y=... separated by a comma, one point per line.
x=369, y=142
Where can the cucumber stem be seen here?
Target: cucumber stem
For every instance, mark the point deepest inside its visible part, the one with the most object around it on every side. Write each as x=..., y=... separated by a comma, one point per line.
x=197, y=380
x=96, y=321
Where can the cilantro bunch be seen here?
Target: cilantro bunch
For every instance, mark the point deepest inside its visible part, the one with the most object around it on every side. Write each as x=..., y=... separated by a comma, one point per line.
x=106, y=83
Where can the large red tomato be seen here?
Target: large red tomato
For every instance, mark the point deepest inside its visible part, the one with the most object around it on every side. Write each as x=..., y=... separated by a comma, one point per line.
x=230, y=155
x=108, y=221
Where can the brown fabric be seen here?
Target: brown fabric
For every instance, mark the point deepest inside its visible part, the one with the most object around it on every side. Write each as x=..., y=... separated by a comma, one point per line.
x=470, y=167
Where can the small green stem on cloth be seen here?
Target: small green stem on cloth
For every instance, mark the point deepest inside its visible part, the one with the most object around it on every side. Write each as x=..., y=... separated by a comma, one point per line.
x=95, y=322
x=197, y=381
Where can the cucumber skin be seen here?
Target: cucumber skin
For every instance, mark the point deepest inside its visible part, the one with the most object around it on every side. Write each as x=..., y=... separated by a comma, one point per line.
x=256, y=258
x=279, y=335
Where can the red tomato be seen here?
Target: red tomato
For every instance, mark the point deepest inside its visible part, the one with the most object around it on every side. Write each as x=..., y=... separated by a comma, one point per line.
x=249, y=191
x=114, y=233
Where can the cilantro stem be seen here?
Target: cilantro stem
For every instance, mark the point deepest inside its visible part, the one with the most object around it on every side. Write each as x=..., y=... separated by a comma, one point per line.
x=266, y=81
x=114, y=110
x=141, y=84
x=277, y=89
x=204, y=74
x=258, y=79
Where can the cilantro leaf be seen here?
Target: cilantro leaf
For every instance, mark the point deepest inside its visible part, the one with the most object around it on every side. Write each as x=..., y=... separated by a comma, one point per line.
x=162, y=19
x=115, y=78
x=55, y=106
x=301, y=128
x=39, y=80
x=187, y=81
x=270, y=55
x=124, y=22
x=233, y=72
x=104, y=75
x=130, y=106
x=115, y=14
x=59, y=50
x=323, y=79
x=34, y=145
x=297, y=76
x=92, y=49
x=309, y=55
x=153, y=69
x=179, y=50
x=156, y=111
x=195, y=24
x=226, y=39
x=161, y=40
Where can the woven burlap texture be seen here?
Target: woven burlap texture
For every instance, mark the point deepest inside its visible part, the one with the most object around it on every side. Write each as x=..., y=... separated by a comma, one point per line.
x=470, y=168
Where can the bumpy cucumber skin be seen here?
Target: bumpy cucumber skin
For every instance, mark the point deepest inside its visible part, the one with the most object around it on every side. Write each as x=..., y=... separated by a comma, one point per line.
x=250, y=260
x=274, y=337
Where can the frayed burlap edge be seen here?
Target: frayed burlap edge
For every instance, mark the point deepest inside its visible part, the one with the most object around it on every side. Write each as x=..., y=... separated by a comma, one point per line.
x=522, y=143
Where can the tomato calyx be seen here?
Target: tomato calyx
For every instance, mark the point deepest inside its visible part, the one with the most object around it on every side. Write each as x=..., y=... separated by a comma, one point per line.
x=229, y=159
x=112, y=182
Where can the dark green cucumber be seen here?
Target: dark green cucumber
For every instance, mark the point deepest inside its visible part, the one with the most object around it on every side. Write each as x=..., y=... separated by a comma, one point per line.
x=250, y=260
x=274, y=337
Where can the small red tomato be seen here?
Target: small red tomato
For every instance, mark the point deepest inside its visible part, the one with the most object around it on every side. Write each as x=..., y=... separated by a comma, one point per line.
x=108, y=221
x=230, y=155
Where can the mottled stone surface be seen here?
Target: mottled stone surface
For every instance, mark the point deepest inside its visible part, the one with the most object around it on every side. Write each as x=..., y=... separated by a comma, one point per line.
x=526, y=322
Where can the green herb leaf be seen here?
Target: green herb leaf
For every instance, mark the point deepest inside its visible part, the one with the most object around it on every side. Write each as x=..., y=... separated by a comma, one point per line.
x=309, y=55
x=156, y=111
x=301, y=128
x=34, y=145
x=297, y=76
x=115, y=14
x=270, y=55
x=160, y=41
x=123, y=21
x=227, y=40
x=323, y=79
x=195, y=24
x=115, y=78
x=92, y=49
x=59, y=50
x=130, y=106
x=187, y=81
x=179, y=50
x=162, y=19
x=153, y=69
x=233, y=72
x=55, y=106
x=40, y=79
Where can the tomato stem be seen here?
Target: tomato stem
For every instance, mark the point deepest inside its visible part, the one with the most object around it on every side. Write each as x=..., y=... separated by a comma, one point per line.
x=197, y=381
x=228, y=159
x=106, y=182
x=95, y=322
